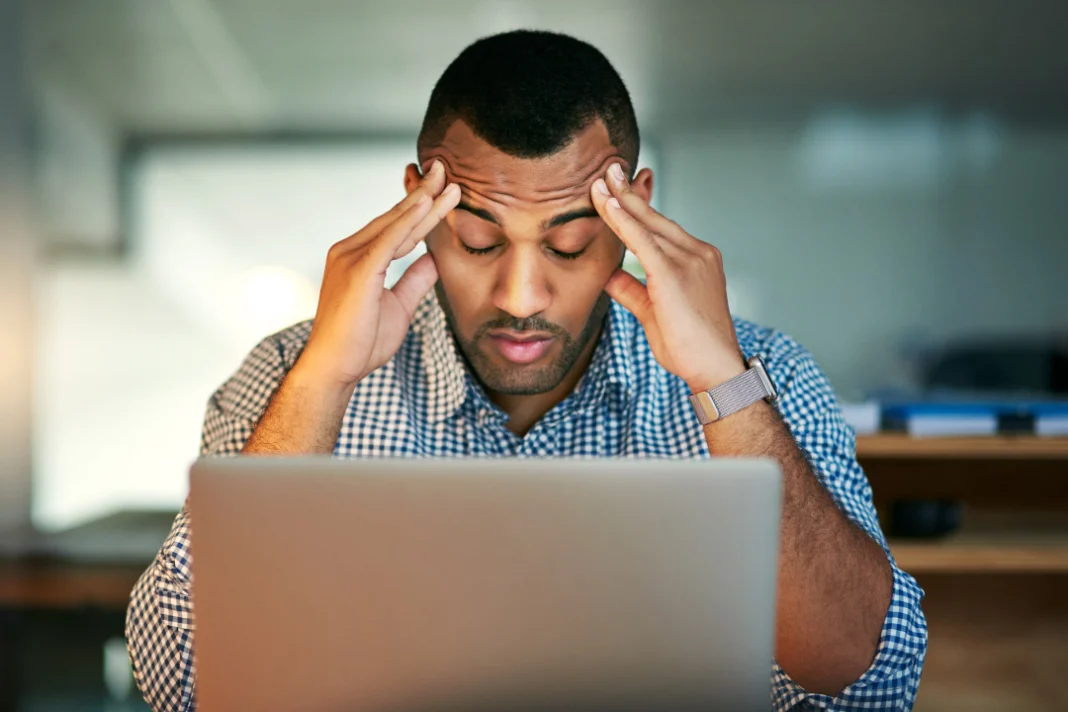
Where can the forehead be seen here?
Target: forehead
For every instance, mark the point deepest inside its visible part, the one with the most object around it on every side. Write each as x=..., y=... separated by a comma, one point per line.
x=486, y=172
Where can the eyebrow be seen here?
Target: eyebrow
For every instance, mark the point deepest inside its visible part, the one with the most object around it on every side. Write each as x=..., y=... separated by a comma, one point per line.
x=480, y=212
x=555, y=221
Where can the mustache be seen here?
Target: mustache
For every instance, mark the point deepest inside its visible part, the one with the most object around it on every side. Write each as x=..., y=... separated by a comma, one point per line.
x=529, y=323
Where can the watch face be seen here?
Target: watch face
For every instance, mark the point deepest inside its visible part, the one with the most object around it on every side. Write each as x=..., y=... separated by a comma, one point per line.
x=757, y=364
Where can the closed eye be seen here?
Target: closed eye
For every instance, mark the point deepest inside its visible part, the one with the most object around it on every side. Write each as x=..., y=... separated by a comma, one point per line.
x=491, y=248
x=479, y=250
x=567, y=255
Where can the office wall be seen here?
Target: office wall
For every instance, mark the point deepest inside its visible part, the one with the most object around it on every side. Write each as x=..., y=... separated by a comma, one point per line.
x=871, y=238
x=76, y=164
x=16, y=257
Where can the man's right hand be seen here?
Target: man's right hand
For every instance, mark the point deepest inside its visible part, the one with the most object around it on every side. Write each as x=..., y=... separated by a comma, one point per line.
x=359, y=324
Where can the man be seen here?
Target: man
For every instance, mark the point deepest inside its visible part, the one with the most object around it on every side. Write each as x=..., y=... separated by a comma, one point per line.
x=535, y=343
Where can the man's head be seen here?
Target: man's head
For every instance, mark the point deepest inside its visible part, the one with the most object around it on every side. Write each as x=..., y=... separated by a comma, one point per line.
x=524, y=122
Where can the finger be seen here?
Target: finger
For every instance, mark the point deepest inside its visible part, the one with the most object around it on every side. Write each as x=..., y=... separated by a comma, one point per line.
x=445, y=203
x=635, y=205
x=431, y=185
x=415, y=283
x=381, y=251
x=632, y=294
x=434, y=179
x=674, y=249
x=634, y=235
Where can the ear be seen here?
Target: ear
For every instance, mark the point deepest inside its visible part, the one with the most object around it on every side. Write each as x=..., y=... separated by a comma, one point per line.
x=412, y=178
x=643, y=184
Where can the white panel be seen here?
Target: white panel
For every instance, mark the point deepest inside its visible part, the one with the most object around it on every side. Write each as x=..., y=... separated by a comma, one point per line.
x=230, y=246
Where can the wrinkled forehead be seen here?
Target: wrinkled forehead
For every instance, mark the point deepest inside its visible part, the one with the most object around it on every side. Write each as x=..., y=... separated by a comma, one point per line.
x=486, y=172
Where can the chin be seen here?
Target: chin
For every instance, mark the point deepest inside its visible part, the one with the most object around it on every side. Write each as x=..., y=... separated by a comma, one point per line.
x=519, y=389
x=519, y=380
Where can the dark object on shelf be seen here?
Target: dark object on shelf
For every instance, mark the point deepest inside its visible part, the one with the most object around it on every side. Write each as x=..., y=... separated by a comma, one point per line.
x=985, y=386
x=924, y=518
x=1000, y=365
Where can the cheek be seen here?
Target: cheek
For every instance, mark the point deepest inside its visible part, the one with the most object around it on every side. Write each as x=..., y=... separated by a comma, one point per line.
x=599, y=267
x=578, y=289
x=438, y=244
x=452, y=267
x=466, y=287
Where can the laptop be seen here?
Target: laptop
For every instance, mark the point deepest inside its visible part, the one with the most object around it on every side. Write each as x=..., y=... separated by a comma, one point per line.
x=486, y=585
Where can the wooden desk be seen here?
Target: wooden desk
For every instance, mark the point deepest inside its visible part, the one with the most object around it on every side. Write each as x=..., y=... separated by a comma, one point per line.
x=38, y=584
x=95, y=564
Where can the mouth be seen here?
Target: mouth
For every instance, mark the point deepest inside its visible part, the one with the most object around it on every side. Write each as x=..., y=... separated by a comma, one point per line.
x=521, y=348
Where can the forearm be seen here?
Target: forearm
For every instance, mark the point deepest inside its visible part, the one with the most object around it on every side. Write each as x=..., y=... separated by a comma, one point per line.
x=304, y=417
x=834, y=581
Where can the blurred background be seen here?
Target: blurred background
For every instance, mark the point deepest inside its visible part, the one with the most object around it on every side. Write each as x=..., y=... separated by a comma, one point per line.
x=887, y=181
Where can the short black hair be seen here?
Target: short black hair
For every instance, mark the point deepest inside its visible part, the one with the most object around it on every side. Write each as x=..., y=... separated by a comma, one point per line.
x=528, y=93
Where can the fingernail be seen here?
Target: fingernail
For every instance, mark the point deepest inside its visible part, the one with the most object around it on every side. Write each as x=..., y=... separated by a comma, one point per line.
x=435, y=168
x=600, y=186
x=613, y=203
x=617, y=173
x=452, y=189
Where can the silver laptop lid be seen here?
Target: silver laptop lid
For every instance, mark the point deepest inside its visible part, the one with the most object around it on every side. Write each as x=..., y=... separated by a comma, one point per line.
x=484, y=584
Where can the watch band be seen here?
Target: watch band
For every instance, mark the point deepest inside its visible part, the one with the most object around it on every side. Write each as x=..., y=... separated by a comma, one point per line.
x=732, y=396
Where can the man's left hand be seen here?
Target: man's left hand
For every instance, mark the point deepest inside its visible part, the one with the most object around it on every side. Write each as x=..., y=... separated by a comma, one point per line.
x=683, y=304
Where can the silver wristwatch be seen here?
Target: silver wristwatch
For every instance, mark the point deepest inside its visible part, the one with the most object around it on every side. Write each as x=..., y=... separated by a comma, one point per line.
x=740, y=392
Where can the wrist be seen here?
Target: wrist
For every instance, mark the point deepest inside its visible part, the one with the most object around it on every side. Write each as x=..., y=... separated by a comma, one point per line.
x=716, y=375
x=324, y=384
x=304, y=416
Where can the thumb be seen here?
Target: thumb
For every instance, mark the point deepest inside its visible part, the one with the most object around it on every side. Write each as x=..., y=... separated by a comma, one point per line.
x=415, y=283
x=632, y=294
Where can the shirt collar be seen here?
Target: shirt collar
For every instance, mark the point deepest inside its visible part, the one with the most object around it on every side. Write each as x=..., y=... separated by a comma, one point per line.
x=440, y=362
x=448, y=383
x=622, y=335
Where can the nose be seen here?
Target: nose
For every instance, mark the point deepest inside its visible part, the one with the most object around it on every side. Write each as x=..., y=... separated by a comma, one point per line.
x=522, y=287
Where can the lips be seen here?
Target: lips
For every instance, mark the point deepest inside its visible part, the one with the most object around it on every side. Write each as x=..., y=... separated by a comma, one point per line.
x=521, y=351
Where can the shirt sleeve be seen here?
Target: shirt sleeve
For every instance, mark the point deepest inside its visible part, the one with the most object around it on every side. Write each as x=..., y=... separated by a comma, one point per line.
x=159, y=619
x=808, y=405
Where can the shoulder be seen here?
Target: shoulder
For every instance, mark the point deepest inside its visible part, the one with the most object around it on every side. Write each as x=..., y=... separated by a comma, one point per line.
x=275, y=355
x=247, y=391
x=790, y=365
x=806, y=401
x=283, y=347
x=773, y=346
x=785, y=358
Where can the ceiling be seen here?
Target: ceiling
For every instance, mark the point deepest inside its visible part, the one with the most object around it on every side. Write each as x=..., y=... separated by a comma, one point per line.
x=180, y=66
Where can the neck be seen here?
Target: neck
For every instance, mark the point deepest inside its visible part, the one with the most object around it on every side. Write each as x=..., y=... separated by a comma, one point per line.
x=524, y=411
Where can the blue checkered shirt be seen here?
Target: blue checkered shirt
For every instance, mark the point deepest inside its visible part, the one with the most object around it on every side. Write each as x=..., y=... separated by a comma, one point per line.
x=424, y=402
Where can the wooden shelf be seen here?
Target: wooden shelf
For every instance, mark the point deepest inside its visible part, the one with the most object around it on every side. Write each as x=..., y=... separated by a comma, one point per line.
x=992, y=543
x=34, y=585
x=901, y=446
